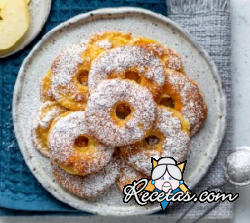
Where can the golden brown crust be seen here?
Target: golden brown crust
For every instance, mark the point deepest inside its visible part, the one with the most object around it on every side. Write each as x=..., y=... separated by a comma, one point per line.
x=83, y=158
x=110, y=39
x=101, y=118
x=45, y=88
x=92, y=186
x=73, y=149
x=77, y=100
x=127, y=176
x=69, y=75
x=42, y=123
x=131, y=62
x=170, y=58
x=168, y=137
x=187, y=99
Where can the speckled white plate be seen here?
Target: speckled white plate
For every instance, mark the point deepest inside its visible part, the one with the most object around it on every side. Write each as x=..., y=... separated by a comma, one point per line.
x=198, y=65
x=39, y=12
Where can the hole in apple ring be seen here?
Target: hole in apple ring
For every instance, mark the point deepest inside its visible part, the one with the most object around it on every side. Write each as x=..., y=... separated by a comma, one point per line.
x=122, y=111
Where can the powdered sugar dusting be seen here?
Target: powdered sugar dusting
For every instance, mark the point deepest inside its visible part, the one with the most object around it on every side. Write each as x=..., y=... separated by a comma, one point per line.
x=46, y=120
x=61, y=142
x=175, y=143
x=171, y=59
x=64, y=68
x=47, y=113
x=92, y=185
x=104, y=44
x=41, y=125
x=102, y=102
x=193, y=107
x=237, y=167
x=120, y=59
x=140, y=160
x=127, y=176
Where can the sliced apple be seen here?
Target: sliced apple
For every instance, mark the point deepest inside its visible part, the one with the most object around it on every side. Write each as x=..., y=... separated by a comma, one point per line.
x=14, y=22
x=28, y=1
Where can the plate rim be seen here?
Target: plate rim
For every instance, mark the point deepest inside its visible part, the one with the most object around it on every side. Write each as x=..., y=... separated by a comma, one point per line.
x=120, y=11
x=48, y=9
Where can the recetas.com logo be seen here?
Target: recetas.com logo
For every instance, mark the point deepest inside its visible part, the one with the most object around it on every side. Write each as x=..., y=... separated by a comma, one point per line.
x=167, y=185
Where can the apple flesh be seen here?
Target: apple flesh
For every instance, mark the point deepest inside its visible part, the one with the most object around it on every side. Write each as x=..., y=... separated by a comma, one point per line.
x=14, y=22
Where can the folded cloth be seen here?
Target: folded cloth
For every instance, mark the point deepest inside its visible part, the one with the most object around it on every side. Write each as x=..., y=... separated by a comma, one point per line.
x=209, y=23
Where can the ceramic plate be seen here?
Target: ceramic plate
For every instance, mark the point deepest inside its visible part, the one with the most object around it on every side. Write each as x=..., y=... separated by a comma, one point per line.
x=198, y=65
x=39, y=12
